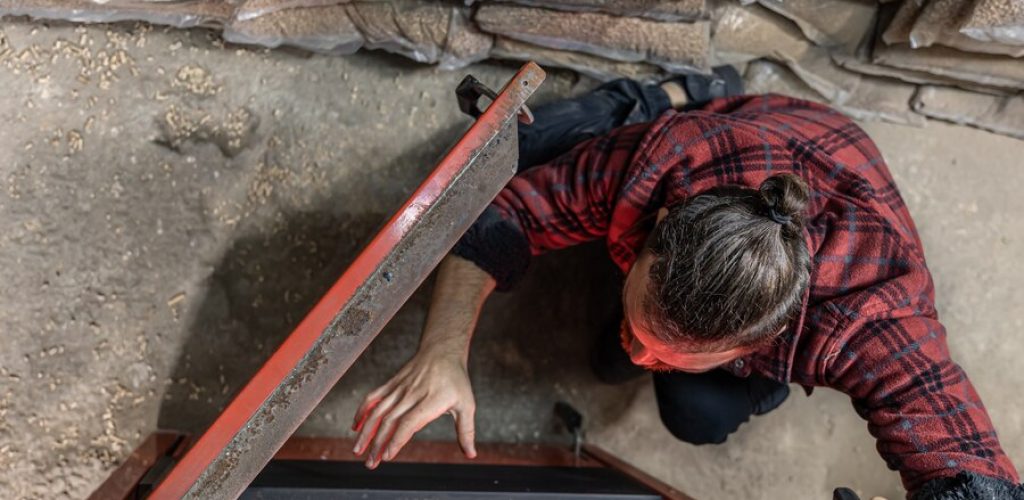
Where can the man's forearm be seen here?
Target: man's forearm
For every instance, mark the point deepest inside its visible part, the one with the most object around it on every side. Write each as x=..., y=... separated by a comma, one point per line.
x=435, y=381
x=459, y=293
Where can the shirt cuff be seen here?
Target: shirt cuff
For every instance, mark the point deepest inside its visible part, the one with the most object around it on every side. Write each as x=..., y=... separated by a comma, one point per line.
x=968, y=486
x=497, y=246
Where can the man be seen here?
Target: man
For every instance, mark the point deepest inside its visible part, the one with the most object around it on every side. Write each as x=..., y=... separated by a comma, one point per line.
x=763, y=242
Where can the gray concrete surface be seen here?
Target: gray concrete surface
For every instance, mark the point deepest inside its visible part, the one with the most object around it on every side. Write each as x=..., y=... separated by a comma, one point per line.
x=171, y=207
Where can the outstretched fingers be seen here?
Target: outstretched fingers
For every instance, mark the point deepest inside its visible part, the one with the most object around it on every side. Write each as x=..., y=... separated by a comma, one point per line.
x=369, y=402
x=422, y=391
x=369, y=426
x=387, y=428
x=417, y=418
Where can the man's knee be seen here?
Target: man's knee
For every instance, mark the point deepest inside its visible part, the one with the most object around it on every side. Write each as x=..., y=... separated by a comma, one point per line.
x=702, y=408
x=701, y=426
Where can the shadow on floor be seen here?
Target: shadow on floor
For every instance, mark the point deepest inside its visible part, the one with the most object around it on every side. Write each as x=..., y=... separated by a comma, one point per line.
x=530, y=350
x=257, y=294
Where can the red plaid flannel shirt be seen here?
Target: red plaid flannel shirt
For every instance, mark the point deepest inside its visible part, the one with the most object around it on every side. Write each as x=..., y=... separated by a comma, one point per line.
x=868, y=326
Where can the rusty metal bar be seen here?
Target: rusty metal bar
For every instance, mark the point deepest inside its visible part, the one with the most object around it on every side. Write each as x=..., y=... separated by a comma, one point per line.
x=437, y=452
x=321, y=349
x=613, y=462
x=121, y=483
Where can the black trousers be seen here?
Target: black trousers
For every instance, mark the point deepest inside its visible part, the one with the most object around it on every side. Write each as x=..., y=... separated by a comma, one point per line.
x=699, y=408
x=562, y=124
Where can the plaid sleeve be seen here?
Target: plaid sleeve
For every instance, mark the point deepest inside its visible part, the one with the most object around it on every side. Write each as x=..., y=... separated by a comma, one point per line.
x=551, y=206
x=919, y=404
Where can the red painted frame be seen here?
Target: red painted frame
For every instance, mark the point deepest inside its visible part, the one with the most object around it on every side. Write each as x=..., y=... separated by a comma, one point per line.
x=122, y=482
x=301, y=341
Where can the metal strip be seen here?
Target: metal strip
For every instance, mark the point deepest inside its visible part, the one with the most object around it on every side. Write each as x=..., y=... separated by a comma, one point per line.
x=613, y=462
x=332, y=336
x=121, y=483
x=436, y=452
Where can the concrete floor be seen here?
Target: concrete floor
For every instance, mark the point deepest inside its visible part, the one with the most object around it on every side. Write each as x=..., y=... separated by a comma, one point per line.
x=171, y=207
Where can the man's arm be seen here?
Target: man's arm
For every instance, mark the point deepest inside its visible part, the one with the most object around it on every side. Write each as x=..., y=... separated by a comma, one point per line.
x=435, y=381
x=562, y=203
x=930, y=423
x=559, y=204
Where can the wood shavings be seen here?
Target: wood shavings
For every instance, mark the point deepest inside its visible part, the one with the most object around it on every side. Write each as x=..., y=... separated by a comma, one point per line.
x=75, y=142
x=104, y=66
x=196, y=80
x=231, y=132
x=176, y=299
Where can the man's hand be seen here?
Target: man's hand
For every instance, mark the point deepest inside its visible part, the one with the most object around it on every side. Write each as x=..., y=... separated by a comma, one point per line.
x=435, y=380
x=429, y=385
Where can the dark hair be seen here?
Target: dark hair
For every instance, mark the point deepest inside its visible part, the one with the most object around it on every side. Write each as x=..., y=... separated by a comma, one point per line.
x=731, y=266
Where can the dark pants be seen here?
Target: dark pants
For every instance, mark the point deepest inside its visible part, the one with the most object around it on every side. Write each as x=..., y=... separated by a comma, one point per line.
x=704, y=408
x=562, y=124
x=699, y=408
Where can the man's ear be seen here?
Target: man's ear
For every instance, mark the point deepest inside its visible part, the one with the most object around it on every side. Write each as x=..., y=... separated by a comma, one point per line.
x=662, y=212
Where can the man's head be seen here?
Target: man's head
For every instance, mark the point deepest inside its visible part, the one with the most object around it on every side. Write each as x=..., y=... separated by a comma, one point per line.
x=721, y=274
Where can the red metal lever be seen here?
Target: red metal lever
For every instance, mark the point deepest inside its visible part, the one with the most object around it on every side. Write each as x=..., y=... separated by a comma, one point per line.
x=339, y=328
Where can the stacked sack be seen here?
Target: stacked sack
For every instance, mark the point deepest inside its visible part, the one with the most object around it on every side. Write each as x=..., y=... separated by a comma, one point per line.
x=602, y=38
x=955, y=60
x=967, y=53
x=790, y=47
x=605, y=39
x=435, y=32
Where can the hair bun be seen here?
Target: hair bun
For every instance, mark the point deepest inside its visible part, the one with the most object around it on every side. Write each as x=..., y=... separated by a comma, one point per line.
x=785, y=197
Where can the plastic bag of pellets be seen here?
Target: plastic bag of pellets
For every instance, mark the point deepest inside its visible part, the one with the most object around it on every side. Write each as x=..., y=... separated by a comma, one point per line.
x=999, y=21
x=180, y=14
x=325, y=29
x=674, y=46
x=422, y=30
x=250, y=9
x=593, y=66
x=427, y=31
x=661, y=10
x=938, y=23
x=465, y=43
